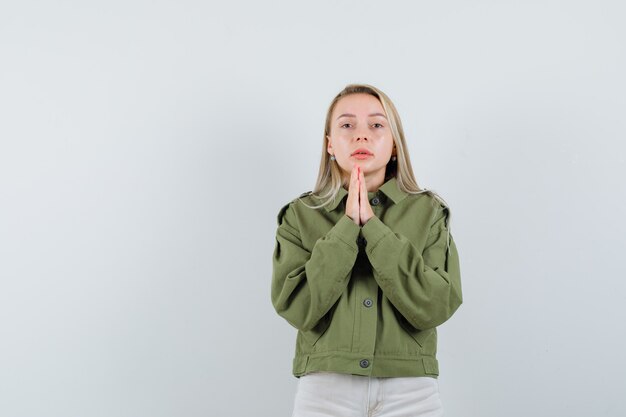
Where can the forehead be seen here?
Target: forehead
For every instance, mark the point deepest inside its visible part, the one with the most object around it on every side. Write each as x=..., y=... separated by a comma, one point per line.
x=359, y=104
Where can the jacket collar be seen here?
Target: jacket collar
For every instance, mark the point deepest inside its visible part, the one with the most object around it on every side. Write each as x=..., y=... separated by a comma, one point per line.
x=389, y=188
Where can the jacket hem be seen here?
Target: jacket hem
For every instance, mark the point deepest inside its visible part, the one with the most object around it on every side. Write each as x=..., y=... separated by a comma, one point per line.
x=376, y=366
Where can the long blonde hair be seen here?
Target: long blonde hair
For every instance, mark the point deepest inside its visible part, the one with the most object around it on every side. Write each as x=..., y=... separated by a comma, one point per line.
x=329, y=178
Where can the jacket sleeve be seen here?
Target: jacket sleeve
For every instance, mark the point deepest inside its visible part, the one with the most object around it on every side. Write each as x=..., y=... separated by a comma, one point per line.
x=306, y=284
x=424, y=287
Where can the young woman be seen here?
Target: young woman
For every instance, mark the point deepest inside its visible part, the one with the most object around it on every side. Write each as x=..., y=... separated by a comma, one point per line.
x=365, y=268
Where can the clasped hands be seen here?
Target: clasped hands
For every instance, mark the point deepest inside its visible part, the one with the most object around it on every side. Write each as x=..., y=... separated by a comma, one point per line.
x=358, y=205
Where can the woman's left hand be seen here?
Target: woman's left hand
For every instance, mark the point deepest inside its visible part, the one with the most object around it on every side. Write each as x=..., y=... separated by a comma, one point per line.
x=365, y=209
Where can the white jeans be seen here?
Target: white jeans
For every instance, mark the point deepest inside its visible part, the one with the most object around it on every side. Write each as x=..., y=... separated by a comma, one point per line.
x=329, y=394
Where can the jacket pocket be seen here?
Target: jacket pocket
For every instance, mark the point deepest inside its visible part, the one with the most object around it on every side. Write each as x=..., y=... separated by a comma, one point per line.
x=313, y=335
x=420, y=336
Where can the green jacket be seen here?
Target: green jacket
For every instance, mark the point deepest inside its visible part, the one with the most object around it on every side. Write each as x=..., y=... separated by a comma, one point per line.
x=366, y=300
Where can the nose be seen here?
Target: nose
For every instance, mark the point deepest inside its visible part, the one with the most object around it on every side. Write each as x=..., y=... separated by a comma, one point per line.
x=361, y=132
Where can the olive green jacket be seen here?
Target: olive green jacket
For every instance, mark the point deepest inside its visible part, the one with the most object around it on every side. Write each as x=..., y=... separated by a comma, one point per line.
x=366, y=300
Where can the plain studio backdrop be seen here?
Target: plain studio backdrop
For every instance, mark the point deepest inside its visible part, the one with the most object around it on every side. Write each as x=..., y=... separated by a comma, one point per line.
x=147, y=146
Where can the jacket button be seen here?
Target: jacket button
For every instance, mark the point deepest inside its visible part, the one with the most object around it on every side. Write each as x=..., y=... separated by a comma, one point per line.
x=375, y=201
x=367, y=302
x=364, y=363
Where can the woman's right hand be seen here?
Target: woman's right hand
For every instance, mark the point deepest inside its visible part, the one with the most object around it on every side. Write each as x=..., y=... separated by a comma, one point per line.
x=352, y=205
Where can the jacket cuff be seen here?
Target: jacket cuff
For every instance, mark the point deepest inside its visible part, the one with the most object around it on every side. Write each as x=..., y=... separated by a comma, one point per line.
x=347, y=231
x=373, y=231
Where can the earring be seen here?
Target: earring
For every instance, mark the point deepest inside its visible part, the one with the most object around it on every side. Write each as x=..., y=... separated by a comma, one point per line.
x=393, y=158
x=332, y=157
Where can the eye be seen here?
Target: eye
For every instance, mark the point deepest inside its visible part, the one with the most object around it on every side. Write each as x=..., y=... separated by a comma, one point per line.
x=378, y=124
x=345, y=124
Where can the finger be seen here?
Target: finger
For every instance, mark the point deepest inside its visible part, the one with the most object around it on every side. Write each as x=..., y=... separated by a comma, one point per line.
x=360, y=192
x=363, y=186
x=365, y=196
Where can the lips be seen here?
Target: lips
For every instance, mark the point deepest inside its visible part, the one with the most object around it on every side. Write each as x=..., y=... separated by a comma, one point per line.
x=361, y=151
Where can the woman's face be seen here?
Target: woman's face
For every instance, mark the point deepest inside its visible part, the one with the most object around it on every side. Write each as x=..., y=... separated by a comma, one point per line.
x=358, y=121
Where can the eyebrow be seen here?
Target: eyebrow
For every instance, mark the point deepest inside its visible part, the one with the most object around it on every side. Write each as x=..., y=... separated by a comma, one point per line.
x=352, y=115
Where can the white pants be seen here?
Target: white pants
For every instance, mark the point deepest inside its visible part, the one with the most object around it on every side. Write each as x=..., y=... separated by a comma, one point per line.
x=329, y=394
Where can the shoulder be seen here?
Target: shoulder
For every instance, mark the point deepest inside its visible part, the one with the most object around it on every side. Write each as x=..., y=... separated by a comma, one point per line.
x=427, y=200
x=283, y=209
x=440, y=216
x=431, y=207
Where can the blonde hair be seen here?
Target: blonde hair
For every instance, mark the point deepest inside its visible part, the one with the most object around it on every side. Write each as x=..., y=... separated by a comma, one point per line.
x=330, y=177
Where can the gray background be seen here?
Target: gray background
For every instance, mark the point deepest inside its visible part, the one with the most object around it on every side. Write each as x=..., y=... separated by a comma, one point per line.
x=146, y=147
